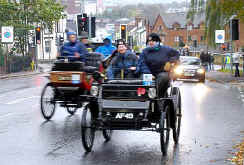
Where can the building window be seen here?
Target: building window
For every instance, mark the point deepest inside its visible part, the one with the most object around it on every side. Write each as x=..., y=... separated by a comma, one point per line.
x=47, y=30
x=160, y=28
x=177, y=38
x=47, y=46
x=189, y=27
x=202, y=38
x=189, y=38
x=162, y=38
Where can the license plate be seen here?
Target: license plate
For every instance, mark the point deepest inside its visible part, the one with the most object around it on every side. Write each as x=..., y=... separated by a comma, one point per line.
x=124, y=115
x=75, y=78
x=188, y=74
x=64, y=78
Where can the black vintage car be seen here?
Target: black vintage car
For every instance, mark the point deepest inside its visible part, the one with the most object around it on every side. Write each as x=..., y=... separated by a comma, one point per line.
x=132, y=105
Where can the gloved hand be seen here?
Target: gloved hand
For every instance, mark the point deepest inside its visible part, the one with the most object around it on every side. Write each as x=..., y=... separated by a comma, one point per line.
x=167, y=66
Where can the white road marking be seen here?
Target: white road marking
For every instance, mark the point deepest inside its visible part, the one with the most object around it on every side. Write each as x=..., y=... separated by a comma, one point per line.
x=243, y=100
x=22, y=99
x=242, y=96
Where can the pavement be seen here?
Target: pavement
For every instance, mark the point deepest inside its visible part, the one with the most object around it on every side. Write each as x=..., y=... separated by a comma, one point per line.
x=42, y=68
x=223, y=77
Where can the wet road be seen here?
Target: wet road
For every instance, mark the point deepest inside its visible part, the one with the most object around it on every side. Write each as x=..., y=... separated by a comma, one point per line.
x=212, y=123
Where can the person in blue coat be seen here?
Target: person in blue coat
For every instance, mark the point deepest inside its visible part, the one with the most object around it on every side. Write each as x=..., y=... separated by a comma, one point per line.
x=107, y=49
x=123, y=62
x=156, y=59
x=74, y=47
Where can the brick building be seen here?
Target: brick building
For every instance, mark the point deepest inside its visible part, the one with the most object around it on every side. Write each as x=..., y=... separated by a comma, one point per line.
x=237, y=44
x=174, y=27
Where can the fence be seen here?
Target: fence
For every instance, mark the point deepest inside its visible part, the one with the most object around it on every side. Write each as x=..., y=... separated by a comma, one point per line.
x=11, y=64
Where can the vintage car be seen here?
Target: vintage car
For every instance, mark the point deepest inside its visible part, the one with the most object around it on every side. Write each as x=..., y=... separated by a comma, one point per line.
x=189, y=68
x=132, y=104
x=70, y=83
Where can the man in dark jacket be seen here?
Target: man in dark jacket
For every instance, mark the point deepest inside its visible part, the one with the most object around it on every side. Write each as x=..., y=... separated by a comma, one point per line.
x=123, y=62
x=205, y=58
x=74, y=47
x=156, y=60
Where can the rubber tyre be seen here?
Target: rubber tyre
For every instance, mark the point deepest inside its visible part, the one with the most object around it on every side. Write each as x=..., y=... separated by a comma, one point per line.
x=87, y=134
x=165, y=131
x=48, y=101
x=176, y=129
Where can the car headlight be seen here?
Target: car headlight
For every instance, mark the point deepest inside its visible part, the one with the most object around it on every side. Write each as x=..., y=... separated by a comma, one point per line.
x=94, y=91
x=200, y=71
x=178, y=70
x=152, y=93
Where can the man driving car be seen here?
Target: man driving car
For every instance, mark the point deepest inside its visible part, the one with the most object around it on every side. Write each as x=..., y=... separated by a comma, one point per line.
x=74, y=48
x=156, y=59
x=123, y=62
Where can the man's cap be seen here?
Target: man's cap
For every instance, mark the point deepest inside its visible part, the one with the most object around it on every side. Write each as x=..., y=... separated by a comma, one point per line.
x=71, y=33
x=153, y=37
x=120, y=42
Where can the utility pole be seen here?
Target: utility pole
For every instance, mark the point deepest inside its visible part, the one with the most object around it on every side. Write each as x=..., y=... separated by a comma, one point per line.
x=187, y=24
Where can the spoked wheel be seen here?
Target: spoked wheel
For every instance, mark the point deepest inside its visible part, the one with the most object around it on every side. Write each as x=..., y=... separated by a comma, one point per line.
x=87, y=129
x=48, y=104
x=176, y=129
x=164, y=130
x=107, y=134
x=71, y=110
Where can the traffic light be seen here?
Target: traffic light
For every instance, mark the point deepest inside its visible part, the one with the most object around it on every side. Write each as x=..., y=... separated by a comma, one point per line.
x=38, y=35
x=82, y=23
x=194, y=43
x=123, y=32
x=235, y=29
x=93, y=27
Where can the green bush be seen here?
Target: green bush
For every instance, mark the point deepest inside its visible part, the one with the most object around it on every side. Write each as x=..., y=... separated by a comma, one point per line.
x=242, y=48
x=18, y=63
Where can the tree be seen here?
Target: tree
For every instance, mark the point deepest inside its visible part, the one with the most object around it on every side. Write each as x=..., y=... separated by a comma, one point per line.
x=24, y=15
x=217, y=14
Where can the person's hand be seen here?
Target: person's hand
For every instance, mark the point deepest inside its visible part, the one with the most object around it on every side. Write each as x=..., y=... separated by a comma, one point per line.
x=77, y=54
x=153, y=77
x=132, y=68
x=167, y=66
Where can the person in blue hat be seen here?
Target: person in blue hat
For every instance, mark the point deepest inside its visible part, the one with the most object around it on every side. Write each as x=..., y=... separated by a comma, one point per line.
x=74, y=47
x=107, y=49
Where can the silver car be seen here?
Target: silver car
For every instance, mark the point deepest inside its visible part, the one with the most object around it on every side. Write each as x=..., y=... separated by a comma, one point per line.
x=189, y=68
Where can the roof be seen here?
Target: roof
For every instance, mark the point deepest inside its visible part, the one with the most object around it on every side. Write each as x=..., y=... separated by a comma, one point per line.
x=179, y=17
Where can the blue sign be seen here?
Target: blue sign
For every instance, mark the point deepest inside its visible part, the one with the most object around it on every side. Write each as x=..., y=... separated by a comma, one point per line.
x=7, y=34
x=220, y=37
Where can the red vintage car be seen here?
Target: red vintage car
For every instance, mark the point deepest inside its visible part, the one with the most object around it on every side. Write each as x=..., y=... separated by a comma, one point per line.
x=70, y=84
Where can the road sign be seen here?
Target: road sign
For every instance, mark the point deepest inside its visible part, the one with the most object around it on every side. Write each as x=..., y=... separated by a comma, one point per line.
x=219, y=36
x=7, y=34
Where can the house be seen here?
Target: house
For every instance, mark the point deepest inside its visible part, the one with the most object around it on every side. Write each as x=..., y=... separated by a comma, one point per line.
x=174, y=28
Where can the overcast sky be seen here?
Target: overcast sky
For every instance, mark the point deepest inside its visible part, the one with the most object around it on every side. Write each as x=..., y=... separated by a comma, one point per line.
x=151, y=1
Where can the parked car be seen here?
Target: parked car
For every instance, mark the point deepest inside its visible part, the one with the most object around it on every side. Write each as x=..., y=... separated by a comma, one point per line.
x=189, y=68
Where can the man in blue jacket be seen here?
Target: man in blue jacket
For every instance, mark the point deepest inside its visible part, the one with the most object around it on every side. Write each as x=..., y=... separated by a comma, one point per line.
x=107, y=49
x=74, y=47
x=156, y=60
x=123, y=62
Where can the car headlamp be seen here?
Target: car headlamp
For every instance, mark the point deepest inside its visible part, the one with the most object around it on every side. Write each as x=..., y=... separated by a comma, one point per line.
x=200, y=71
x=152, y=93
x=179, y=70
x=94, y=91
